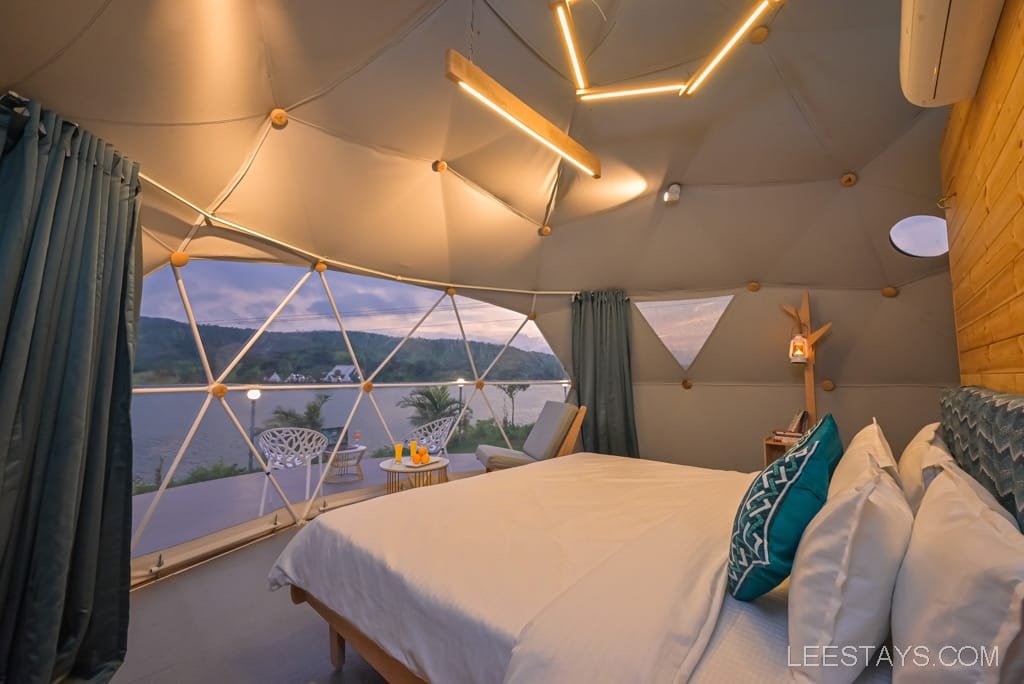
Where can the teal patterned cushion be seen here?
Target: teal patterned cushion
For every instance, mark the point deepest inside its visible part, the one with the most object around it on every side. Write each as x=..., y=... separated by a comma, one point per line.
x=777, y=507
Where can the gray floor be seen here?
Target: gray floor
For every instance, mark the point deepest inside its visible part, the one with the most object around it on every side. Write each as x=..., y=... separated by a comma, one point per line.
x=218, y=622
x=191, y=511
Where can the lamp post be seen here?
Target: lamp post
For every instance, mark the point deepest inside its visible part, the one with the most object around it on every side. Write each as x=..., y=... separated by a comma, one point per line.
x=252, y=395
x=461, y=382
x=565, y=390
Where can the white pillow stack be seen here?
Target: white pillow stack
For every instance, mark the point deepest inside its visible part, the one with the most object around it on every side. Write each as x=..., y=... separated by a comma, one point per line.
x=846, y=566
x=869, y=443
x=961, y=586
x=921, y=461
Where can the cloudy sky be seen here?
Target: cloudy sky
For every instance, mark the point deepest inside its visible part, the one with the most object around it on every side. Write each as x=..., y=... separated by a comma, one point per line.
x=244, y=294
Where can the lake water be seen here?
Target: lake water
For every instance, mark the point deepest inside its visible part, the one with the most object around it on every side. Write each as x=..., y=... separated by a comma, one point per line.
x=161, y=421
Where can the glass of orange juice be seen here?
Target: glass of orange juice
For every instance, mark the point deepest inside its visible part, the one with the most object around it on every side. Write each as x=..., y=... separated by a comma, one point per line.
x=398, y=452
x=413, y=445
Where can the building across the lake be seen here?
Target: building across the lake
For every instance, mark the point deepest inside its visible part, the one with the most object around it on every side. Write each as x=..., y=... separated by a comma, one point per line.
x=341, y=374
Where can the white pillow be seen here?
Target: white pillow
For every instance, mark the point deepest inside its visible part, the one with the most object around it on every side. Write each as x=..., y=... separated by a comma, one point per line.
x=960, y=588
x=920, y=462
x=869, y=442
x=840, y=592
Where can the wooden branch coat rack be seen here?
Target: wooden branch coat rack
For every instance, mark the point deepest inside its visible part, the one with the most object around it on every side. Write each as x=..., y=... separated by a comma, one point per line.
x=802, y=316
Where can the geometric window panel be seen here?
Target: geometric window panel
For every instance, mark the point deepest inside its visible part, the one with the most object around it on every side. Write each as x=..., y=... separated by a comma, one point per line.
x=684, y=325
x=307, y=340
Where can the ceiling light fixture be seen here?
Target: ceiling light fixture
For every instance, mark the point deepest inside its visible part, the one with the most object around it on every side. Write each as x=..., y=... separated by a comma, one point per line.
x=737, y=35
x=564, y=14
x=671, y=194
x=588, y=94
x=481, y=86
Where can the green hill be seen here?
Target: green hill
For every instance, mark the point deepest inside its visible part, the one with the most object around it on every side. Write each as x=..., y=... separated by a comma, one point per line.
x=166, y=355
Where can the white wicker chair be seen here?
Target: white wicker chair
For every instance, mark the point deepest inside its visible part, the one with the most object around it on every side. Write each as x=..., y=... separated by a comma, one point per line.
x=433, y=435
x=285, y=448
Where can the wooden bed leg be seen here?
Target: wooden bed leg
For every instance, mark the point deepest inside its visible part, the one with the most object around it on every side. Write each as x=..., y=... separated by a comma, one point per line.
x=337, y=649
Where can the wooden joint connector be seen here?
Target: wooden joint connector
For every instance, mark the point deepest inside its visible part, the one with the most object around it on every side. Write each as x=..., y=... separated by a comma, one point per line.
x=179, y=259
x=278, y=117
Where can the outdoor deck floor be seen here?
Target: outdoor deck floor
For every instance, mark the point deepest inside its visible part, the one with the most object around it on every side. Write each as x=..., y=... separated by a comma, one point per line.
x=191, y=511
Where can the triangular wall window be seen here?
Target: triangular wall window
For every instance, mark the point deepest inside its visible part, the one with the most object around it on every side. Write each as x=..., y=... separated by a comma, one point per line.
x=684, y=325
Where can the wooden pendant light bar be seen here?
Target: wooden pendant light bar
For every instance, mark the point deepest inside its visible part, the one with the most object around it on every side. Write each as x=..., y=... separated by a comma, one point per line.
x=615, y=93
x=735, y=37
x=480, y=85
x=565, y=23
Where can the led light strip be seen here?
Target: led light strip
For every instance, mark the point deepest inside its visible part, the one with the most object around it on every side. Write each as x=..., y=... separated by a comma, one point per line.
x=612, y=93
x=561, y=8
x=497, y=98
x=710, y=65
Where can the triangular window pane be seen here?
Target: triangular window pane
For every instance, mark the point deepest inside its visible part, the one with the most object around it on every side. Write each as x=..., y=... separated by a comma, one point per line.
x=231, y=300
x=380, y=313
x=302, y=346
x=684, y=325
x=166, y=352
x=488, y=327
x=529, y=357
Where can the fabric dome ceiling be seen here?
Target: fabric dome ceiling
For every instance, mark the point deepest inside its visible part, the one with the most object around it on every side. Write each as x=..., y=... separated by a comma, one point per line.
x=187, y=86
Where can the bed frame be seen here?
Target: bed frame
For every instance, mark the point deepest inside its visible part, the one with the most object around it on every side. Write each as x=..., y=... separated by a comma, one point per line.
x=341, y=631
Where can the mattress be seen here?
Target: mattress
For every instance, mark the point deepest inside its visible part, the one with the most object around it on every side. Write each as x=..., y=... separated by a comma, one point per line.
x=445, y=578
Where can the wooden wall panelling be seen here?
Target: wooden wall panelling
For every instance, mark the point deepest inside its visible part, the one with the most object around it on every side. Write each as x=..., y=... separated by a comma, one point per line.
x=982, y=159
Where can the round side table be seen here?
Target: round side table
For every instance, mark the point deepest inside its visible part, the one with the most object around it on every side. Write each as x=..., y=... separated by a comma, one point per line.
x=434, y=472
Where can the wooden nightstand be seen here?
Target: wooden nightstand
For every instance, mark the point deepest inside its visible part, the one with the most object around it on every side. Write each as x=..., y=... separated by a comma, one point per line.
x=774, y=449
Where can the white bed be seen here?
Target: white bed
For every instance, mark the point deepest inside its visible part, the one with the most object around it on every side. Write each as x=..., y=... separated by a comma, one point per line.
x=500, y=577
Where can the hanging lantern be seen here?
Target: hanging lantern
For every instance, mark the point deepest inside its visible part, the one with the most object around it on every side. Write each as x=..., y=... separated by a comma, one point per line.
x=798, y=349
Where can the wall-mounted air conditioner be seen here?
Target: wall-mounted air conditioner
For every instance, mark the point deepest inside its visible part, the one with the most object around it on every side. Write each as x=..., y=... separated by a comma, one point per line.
x=943, y=47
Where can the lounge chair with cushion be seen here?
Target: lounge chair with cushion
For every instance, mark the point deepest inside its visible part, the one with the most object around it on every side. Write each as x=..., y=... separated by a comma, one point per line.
x=554, y=434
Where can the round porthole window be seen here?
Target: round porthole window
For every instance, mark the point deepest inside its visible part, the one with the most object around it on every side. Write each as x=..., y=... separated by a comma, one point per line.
x=920, y=236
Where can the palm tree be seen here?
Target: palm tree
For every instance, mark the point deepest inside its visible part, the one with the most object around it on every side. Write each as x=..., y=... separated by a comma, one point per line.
x=311, y=417
x=430, y=404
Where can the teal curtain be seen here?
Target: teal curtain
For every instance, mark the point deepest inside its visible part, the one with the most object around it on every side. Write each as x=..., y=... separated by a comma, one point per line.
x=601, y=370
x=69, y=208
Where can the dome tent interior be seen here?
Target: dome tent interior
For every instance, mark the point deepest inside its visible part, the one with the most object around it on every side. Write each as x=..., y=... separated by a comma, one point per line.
x=488, y=320
x=759, y=154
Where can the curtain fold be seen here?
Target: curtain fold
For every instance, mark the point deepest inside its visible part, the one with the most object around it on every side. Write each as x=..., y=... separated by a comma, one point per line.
x=601, y=371
x=69, y=206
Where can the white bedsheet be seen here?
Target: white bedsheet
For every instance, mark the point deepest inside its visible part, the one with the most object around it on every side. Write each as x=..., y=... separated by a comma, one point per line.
x=750, y=641
x=446, y=578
